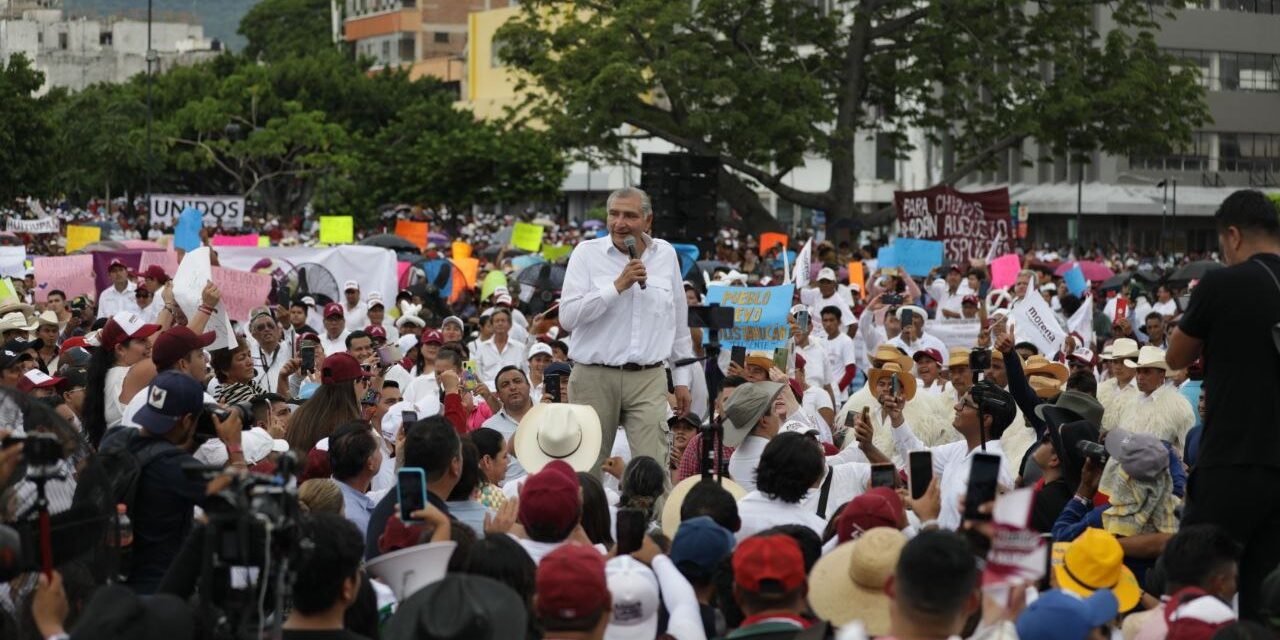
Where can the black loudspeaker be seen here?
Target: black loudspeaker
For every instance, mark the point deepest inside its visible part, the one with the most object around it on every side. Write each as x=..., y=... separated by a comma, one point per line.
x=683, y=190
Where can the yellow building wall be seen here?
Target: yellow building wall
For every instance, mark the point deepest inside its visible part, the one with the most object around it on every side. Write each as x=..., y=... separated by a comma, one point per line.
x=491, y=87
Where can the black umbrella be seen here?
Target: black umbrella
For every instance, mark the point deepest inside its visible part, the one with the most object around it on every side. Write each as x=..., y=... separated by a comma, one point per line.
x=1194, y=270
x=543, y=276
x=1116, y=282
x=389, y=241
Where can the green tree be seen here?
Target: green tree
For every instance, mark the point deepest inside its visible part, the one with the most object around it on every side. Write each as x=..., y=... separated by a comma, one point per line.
x=761, y=85
x=278, y=29
x=26, y=132
x=94, y=142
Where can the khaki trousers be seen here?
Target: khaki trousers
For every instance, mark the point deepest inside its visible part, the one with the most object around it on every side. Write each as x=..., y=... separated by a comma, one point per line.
x=637, y=400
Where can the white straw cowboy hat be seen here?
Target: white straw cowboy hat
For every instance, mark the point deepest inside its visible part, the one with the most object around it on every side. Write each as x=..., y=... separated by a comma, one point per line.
x=16, y=322
x=567, y=432
x=1124, y=348
x=1149, y=357
x=847, y=584
x=671, y=508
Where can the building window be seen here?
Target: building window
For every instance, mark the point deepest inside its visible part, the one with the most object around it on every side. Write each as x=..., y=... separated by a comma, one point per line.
x=1193, y=156
x=1249, y=71
x=495, y=54
x=407, y=49
x=886, y=162
x=104, y=38
x=62, y=41
x=1251, y=6
x=386, y=52
x=1249, y=152
x=1201, y=61
x=440, y=37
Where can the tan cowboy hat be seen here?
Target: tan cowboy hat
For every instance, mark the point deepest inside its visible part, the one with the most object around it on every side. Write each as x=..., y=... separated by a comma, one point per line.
x=1038, y=365
x=1044, y=386
x=888, y=353
x=1149, y=357
x=20, y=307
x=16, y=322
x=671, y=510
x=760, y=359
x=905, y=379
x=47, y=317
x=1124, y=348
x=957, y=357
x=1106, y=356
x=847, y=584
x=567, y=432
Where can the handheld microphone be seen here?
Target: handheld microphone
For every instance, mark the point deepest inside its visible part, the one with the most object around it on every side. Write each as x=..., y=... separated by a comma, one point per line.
x=630, y=241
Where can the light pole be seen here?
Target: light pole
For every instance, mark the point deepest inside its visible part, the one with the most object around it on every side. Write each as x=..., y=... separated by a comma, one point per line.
x=151, y=56
x=1173, y=216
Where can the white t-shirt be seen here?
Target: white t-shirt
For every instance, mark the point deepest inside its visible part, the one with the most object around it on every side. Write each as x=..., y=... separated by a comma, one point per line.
x=759, y=512
x=743, y=462
x=338, y=345
x=113, y=409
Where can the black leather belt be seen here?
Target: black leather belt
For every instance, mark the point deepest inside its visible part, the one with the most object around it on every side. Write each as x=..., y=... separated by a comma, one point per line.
x=630, y=366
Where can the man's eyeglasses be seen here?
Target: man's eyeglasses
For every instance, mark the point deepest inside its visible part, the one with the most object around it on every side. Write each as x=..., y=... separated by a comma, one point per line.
x=265, y=326
x=142, y=294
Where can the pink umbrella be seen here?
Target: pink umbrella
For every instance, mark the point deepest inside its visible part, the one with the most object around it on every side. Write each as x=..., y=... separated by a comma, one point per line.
x=141, y=245
x=1093, y=271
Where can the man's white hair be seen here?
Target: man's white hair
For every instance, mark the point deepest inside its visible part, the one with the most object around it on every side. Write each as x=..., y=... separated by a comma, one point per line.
x=646, y=207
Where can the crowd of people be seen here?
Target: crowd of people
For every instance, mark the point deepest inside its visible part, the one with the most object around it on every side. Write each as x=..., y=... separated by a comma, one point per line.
x=594, y=470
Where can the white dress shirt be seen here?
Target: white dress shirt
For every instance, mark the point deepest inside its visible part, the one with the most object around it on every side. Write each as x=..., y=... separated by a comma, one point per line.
x=489, y=360
x=813, y=299
x=951, y=463
x=759, y=512
x=151, y=314
x=638, y=326
x=948, y=301
x=337, y=345
x=745, y=459
x=111, y=302
x=849, y=481
x=925, y=341
x=357, y=317
x=267, y=366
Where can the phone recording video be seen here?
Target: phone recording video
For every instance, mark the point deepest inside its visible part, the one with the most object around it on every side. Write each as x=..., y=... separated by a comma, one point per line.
x=631, y=526
x=919, y=472
x=411, y=491
x=984, y=473
x=551, y=386
x=883, y=475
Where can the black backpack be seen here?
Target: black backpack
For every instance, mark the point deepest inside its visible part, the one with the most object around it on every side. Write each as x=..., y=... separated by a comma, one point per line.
x=123, y=456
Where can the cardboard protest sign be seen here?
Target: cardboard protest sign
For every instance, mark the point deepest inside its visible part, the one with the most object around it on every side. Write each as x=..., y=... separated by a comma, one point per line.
x=1074, y=278
x=956, y=332
x=373, y=267
x=759, y=315
x=527, y=236
x=858, y=277
x=885, y=258
x=167, y=260
x=337, y=230
x=770, y=239
x=1004, y=271
x=460, y=249
x=470, y=268
x=492, y=280
x=250, y=240
x=13, y=261
x=186, y=235
x=188, y=285
x=554, y=252
x=79, y=237
x=241, y=290
x=70, y=274
x=39, y=225
x=264, y=241
x=415, y=232
x=226, y=212
x=965, y=222
x=917, y=257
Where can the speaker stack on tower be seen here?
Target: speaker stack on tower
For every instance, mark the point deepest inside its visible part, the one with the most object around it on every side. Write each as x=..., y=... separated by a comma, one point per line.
x=683, y=190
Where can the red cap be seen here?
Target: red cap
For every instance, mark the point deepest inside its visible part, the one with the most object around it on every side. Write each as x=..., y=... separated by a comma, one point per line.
x=333, y=309
x=768, y=563
x=570, y=583
x=37, y=379
x=71, y=343
x=376, y=331
x=174, y=344
x=878, y=507
x=342, y=367
x=124, y=326
x=431, y=336
x=117, y=262
x=155, y=272
x=931, y=353
x=551, y=497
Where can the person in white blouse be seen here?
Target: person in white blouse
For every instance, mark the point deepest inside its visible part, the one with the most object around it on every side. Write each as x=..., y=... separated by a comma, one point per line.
x=500, y=350
x=951, y=462
x=627, y=318
x=117, y=298
x=827, y=294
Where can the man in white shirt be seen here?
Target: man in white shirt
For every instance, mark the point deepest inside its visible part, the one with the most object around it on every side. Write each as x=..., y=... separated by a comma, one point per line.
x=1155, y=409
x=749, y=423
x=627, y=317
x=789, y=470
x=355, y=311
x=951, y=462
x=840, y=350
x=929, y=371
x=827, y=294
x=376, y=311
x=334, y=338
x=119, y=296
x=913, y=337
x=513, y=391
x=949, y=293
x=500, y=350
x=269, y=352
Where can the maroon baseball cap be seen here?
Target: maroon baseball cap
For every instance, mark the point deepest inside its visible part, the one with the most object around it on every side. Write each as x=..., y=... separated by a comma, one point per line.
x=770, y=564
x=124, y=326
x=175, y=343
x=570, y=583
x=117, y=262
x=551, y=497
x=341, y=367
x=930, y=353
x=156, y=272
x=376, y=331
x=333, y=309
x=37, y=379
x=431, y=336
x=878, y=507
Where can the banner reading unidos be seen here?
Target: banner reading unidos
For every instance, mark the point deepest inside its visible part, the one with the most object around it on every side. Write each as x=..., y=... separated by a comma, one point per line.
x=966, y=223
x=759, y=315
x=219, y=211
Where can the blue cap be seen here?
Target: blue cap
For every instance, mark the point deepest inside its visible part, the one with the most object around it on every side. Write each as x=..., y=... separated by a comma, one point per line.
x=1059, y=615
x=561, y=368
x=700, y=542
x=170, y=396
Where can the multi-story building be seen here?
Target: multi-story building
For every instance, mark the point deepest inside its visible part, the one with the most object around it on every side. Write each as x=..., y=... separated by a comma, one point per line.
x=429, y=36
x=77, y=52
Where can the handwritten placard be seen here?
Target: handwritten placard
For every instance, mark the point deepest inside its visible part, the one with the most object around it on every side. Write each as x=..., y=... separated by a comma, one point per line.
x=759, y=315
x=79, y=237
x=337, y=230
x=249, y=240
x=241, y=290
x=72, y=275
x=527, y=236
x=415, y=232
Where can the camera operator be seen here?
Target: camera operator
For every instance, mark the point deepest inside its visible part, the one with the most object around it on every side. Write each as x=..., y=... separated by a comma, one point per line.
x=162, y=508
x=332, y=575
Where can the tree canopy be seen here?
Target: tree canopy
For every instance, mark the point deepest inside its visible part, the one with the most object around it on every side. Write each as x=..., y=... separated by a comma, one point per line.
x=763, y=85
x=25, y=130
